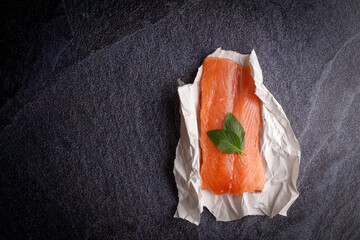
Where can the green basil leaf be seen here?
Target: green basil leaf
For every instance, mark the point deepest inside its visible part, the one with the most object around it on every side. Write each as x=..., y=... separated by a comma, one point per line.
x=226, y=141
x=232, y=124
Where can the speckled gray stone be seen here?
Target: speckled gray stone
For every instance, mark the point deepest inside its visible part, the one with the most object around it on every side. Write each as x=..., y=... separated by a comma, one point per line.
x=90, y=121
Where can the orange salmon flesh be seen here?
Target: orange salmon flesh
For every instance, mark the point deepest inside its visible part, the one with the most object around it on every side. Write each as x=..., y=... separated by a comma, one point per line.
x=229, y=87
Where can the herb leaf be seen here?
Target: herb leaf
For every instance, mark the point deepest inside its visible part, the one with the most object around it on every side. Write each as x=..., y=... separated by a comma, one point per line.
x=230, y=139
x=226, y=141
x=232, y=124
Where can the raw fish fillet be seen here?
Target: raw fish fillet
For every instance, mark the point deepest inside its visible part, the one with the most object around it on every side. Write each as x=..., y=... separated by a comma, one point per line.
x=229, y=87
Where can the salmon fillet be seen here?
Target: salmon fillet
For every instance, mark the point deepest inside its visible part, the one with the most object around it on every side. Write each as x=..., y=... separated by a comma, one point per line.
x=229, y=87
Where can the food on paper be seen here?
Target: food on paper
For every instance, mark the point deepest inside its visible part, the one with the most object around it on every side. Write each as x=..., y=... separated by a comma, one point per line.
x=279, y=149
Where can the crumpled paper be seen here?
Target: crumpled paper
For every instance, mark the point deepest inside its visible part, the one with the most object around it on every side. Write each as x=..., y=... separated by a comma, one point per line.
x=279, y=147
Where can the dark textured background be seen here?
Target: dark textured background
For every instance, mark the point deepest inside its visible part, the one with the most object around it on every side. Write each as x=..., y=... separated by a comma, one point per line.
x=90, y=122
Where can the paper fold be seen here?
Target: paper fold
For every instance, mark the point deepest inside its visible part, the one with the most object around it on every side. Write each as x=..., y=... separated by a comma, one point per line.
x=279, y=147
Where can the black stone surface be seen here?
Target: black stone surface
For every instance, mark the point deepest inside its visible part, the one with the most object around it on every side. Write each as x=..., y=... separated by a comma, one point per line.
x=90, y=122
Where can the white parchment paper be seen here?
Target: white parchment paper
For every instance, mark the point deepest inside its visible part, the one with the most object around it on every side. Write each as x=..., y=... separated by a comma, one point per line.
x=279, y=147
